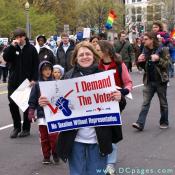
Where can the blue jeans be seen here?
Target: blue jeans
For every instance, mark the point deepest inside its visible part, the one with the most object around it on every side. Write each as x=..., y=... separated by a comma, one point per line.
x=86, y=160
x=171, y=70
x=148, y=92
x=112, y=158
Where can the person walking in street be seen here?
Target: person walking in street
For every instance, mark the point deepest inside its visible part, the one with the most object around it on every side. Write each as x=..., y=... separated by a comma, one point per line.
x=48, y=141
x=64, y=51
x=22, y=59
x=155, y=80
x=86, y=149
x=44, y=51
x=138, y=47
x=109, y=60
x=3, y=64
x=125, y=49
x=172, y=56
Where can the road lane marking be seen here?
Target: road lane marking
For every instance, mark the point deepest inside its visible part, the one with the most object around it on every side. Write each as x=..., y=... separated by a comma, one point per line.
x=3, y=84
x=3, y=92
x=5, y=127
x=136, y=86
x=10, y=125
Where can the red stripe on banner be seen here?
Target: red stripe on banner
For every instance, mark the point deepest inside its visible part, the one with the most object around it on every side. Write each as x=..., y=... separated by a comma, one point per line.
x=68, y=93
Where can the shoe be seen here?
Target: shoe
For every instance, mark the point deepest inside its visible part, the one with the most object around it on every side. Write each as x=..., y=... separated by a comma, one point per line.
x=137, y=126
x=110, y=169
x=14, y=133
x=56, y=159
x=46, y=161
x=24, y=133
x=163, y=126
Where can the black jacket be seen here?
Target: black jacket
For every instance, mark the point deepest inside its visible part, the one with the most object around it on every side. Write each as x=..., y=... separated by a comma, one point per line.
x=46, y=55
x=22, y=63
x=106, y=135
x=64, y=59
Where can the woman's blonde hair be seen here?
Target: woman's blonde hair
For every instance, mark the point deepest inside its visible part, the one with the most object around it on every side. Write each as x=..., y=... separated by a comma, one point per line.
x=88, y=46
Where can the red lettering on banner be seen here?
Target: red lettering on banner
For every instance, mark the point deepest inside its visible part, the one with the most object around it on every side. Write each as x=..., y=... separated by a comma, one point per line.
x=76, y=84
x=102, y=98
x=84, y=100
x=94, y=85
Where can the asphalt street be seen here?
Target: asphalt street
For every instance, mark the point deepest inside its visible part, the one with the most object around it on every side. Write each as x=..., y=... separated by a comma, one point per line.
x=149, y=152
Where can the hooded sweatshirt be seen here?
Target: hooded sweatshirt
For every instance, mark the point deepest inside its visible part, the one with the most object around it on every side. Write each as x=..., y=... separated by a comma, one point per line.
x=35, y=93
x=44, y=52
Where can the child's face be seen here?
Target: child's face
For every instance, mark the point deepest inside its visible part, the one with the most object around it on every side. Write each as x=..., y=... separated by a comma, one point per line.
x=46, y=72
x=56, y=74
x=155, y=28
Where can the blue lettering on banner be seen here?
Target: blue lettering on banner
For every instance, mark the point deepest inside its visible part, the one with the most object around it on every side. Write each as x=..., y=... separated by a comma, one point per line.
x=86, y=121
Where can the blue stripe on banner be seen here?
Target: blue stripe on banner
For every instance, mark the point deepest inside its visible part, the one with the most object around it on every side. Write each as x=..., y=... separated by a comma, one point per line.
x=79, y=122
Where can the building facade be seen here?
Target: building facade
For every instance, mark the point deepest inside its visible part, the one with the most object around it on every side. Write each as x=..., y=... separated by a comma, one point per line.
x=140, y=15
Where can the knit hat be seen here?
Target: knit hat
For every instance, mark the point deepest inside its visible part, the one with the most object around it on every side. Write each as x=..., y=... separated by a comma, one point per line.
x=19, y=32
x=59, y=67
x=44, y=64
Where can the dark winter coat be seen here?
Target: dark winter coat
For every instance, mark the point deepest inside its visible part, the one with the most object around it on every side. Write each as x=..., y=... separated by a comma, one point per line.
x=155, y=71
x=64, y=59
x=46, y=55
x=126, y=52
x=22, y=63
x=106, y=135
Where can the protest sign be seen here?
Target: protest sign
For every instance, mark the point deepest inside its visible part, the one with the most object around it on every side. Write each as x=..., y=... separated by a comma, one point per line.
x=21, y=95
x=81, y=102
x=86, y=33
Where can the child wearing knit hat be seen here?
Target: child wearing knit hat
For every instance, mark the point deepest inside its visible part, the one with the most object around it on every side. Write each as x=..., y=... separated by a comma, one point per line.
x=58, y=72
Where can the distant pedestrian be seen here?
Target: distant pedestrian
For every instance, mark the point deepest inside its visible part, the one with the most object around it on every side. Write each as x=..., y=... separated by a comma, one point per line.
x=64, y=52
x=138, y=48
x=22, y=59
x=48, y=141
x=44, y=51
x=125, y=49
x=172, y=56
x=155, y=80
x=3, y=64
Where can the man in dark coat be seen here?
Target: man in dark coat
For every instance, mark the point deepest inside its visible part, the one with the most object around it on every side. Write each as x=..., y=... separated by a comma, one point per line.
x=23, y=61
x=125, y=49
x=64, y=52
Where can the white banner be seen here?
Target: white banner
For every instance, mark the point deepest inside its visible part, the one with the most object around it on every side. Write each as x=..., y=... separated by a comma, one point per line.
x=81, y=102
